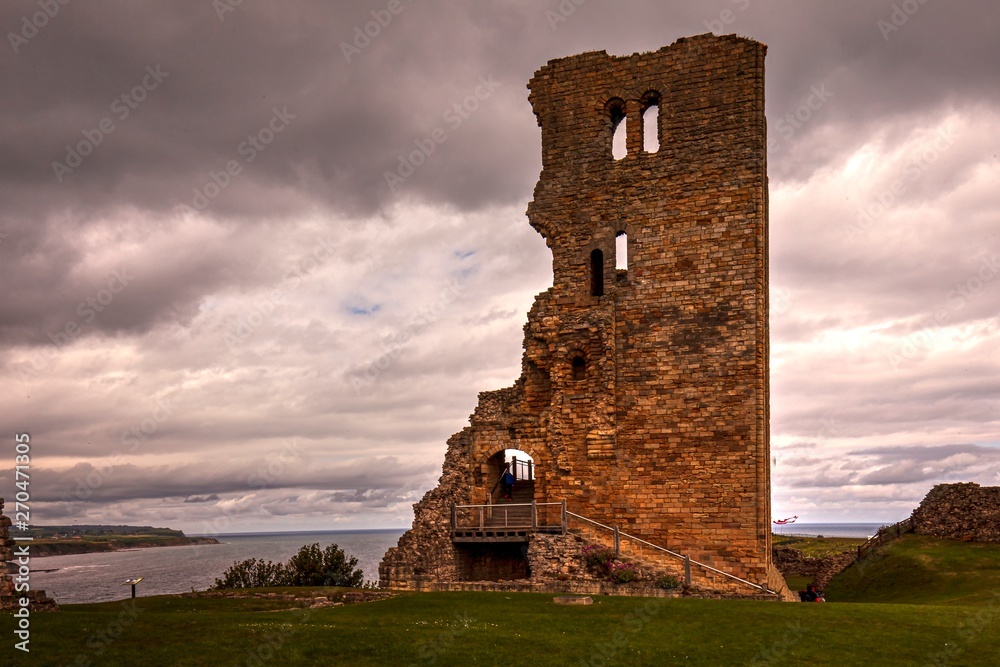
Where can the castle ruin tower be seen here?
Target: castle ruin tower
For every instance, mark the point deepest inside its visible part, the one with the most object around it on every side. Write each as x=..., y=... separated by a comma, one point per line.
x=643, y=398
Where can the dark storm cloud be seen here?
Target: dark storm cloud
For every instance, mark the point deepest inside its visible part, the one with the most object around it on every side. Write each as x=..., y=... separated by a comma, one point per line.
x=278, y=137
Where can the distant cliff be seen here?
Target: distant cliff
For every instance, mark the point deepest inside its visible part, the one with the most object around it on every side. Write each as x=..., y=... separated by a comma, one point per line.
x=65, y=540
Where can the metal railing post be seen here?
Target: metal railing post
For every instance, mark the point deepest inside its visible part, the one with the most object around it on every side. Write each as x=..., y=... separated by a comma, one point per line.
x=687, y=570
x=454, y=517
x=534, y=515
x=618, y=542
x=562, y=519
x=480, y=518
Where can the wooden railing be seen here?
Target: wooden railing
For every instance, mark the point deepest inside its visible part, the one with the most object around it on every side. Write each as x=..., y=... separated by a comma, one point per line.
x=886, y=534
x=537, y=516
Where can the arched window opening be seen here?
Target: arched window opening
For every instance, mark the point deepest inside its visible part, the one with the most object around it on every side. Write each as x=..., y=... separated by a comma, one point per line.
x=616, y=115
x=650, y=125
x=579, y=365
x=597, y=273
x=618, y=149
x=621, y=251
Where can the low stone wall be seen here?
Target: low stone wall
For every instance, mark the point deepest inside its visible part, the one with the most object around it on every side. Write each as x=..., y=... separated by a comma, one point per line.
x=966, y=511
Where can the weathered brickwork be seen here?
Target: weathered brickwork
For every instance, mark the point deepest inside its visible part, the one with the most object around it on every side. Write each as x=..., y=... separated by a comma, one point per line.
x=960, y=512
x=643, y=397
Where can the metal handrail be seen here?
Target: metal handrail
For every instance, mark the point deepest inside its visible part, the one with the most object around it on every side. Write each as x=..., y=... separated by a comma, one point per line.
x=671, y=553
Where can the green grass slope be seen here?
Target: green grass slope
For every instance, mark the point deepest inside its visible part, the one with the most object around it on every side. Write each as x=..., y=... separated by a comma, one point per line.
x=502, y=629
x=918, y=569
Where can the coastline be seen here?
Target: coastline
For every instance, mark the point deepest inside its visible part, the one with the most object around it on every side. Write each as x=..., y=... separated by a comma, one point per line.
x=76, y=547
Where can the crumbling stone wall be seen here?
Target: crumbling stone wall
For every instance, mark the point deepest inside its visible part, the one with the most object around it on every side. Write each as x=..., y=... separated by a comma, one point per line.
x=643, y=397
x=9, y=568
x=960, y=512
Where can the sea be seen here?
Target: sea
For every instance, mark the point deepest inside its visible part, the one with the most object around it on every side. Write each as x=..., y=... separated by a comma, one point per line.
x=99, y=577
x=862, y=530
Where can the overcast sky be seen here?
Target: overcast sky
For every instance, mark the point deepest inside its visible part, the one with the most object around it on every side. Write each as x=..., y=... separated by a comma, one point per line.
x=220, y=314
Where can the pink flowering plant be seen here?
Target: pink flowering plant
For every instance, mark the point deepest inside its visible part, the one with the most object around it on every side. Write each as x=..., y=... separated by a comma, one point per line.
x=622, y=573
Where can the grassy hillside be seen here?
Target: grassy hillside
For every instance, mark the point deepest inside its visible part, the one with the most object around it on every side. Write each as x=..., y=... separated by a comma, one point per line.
x=502, y=628
x=919, y=569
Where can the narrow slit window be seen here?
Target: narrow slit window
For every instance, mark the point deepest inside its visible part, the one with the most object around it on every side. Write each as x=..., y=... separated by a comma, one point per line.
x=579, y=368
x=621, y=251
x=597, y=273
x=618, y=149
x=650, y=123
x=616, y=120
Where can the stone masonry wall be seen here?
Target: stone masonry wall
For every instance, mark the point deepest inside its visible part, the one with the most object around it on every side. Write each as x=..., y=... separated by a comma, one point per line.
x=643, y=397
x=9, y=569
x=960, y=512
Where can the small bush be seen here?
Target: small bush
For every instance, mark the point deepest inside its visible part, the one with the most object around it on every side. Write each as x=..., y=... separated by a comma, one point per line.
x=598, y=557
x=622, y=573
x=309, y=567
x=668, y=582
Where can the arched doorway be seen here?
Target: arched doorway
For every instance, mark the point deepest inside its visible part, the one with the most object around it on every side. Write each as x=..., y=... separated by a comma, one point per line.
x=511, y=477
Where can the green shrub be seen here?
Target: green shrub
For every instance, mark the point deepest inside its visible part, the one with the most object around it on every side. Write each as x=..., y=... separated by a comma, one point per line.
x=668, y=582
x=309, y=567
x=598, y=557
x=622, y=573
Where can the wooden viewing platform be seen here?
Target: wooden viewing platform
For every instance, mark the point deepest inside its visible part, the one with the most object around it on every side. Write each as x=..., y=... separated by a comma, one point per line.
x=506, y=522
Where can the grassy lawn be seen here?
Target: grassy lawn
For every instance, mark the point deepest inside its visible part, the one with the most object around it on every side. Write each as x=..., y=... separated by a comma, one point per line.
x=506, y=629
x=918, y=569
x=817, y=547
